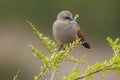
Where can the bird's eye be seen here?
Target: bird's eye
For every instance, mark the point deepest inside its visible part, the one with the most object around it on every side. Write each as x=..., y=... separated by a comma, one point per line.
x=66, y=17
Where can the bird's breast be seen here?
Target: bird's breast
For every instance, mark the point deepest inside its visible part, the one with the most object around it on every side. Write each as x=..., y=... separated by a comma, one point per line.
x=64, y=32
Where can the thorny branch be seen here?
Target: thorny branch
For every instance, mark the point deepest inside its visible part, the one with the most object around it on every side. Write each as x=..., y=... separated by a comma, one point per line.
x=109, y=67
x=41, y=73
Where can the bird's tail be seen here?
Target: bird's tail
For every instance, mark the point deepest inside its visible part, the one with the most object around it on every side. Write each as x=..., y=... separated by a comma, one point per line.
x=86, y=45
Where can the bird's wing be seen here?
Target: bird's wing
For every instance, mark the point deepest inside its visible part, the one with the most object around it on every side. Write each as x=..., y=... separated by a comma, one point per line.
x=80, y=35
x=79, y=32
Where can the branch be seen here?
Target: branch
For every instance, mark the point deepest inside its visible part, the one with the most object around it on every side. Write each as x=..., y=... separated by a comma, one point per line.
x=109, y=67
x=41, y=73
x=37, y=33
x=52, y=77
x=16, y=76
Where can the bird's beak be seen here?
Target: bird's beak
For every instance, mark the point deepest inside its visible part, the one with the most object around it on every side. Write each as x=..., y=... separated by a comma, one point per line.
x=71, y=18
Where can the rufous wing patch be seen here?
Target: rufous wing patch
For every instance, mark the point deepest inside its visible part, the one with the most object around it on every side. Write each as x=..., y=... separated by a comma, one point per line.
x=84, y=43
x=80, y=34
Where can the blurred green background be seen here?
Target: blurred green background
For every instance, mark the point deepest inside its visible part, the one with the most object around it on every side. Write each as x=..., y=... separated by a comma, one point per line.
x=98, y=19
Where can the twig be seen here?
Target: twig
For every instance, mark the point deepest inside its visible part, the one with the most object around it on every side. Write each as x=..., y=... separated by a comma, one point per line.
x=16, y=76
x=41, y=73
x=52, y=77
x=45, y=68
x=37, y=33
x=96, y=71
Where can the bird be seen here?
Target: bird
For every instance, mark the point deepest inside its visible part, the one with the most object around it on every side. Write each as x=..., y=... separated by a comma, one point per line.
x=66, y=30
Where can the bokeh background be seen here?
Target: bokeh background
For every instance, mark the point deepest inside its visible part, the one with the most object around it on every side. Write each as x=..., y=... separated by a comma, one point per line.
x=98, y=19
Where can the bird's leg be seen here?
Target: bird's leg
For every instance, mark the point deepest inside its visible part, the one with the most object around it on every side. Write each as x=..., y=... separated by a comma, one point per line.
x=61, y=47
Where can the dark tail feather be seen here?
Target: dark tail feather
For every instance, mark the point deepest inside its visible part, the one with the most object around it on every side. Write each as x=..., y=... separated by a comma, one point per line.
x=86, y=45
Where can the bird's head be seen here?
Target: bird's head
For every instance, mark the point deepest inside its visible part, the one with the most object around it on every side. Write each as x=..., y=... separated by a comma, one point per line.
x=65, y=15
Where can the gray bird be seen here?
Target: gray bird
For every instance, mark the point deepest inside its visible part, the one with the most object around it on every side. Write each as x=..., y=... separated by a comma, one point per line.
x=66, y=30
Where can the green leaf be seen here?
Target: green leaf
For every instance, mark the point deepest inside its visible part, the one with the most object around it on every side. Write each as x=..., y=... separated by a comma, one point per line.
x=64, y=78
x=76, y=17
x=116, y=41
x=35, y=77
x=39, y=54
x=102, y=74
x=110, y=41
